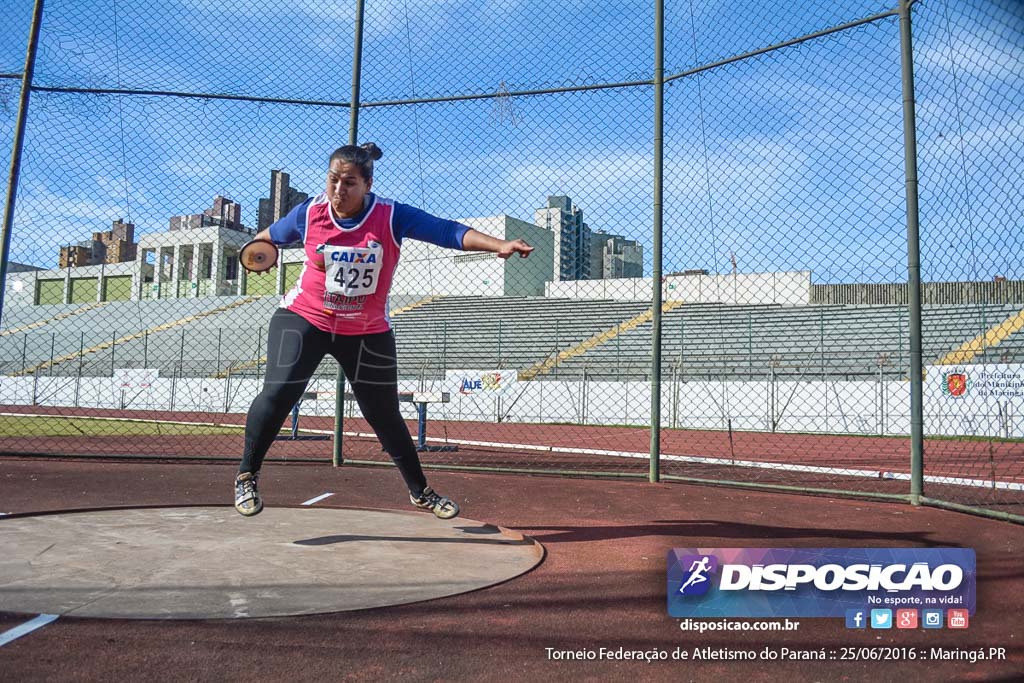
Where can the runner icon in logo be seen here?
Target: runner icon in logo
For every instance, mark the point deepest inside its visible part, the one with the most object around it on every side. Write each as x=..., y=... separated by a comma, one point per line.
x=699, y=569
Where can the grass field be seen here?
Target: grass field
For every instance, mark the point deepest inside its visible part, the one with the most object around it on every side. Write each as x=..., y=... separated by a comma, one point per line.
x=22, y=426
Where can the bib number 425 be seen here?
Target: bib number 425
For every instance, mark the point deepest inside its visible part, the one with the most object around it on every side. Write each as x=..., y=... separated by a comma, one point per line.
x=353, y=271
x=354, y=279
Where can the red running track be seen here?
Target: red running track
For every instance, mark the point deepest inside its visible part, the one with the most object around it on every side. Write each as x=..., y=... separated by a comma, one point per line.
x=602, y=584
x=972, y=459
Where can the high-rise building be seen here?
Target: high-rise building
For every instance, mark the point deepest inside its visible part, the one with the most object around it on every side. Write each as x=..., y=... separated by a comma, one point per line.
x=225, y=213
x=119, y=243
x=228, y=211
x=571, y=239
x=283, y=198
x=81, y=254
x=116, y=245
x=614, y=256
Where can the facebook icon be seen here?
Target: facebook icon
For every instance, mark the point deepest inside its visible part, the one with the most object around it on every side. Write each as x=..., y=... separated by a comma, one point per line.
x=855, y=618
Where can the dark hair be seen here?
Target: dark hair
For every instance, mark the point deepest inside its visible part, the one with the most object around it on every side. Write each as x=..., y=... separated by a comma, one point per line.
x=361, y=156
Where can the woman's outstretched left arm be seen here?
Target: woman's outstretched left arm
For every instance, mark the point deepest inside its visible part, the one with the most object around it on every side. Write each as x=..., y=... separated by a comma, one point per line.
x=474, y=240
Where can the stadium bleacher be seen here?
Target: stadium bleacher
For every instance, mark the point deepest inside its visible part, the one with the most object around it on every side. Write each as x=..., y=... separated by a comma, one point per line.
x=793, y=342
x=499, y=332
x=206, y=337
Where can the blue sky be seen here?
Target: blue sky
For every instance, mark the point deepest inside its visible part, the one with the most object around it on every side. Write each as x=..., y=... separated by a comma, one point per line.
x=791, y=160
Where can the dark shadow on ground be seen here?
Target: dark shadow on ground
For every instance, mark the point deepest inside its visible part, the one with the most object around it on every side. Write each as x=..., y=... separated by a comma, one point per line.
x=704, y=529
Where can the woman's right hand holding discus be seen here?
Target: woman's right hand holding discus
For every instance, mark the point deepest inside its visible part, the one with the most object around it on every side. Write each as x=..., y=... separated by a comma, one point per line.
x=258, y=255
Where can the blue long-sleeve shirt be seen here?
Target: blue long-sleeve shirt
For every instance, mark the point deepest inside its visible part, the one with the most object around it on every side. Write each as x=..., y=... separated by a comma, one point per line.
x=407, y=221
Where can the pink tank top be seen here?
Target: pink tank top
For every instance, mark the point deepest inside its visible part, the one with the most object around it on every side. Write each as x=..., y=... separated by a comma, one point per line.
x=345, y=280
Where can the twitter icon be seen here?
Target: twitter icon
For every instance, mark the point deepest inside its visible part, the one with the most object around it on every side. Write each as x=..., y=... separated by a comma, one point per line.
x=881, y=618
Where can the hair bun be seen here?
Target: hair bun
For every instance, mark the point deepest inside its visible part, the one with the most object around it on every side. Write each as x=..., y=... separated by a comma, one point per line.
x=373, y=150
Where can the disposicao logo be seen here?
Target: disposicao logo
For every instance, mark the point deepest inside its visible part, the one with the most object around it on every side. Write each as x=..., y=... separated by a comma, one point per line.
x=817, y=582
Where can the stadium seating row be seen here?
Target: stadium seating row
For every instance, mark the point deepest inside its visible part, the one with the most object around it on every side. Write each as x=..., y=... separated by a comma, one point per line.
x=546, y=337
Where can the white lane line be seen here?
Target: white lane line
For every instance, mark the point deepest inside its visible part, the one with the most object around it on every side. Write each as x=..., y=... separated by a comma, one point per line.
x=240, y=603
x=318, y=498
x=27, y=627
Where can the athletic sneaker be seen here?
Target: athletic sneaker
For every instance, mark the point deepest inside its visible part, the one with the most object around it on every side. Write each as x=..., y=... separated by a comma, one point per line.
x=445, y=508
x=247, y=497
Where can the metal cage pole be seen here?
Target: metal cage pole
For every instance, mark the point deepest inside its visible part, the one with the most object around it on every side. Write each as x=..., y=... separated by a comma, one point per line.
x=659, y=141
x=19, y=143
x=78, y=381
x=357, y=69
x=353, y=136
x=913, y=258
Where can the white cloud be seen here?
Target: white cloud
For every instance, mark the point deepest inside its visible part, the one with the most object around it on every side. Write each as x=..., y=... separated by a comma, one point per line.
x=379, y=15
x=41, y=205
x=46, y=220
x=190, y=169
x=976, y=52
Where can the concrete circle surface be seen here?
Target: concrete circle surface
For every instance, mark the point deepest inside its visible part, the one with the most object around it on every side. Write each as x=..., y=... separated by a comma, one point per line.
x=212, y=563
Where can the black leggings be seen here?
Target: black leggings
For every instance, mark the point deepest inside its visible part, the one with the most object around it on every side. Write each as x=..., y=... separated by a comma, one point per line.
x=294, y=350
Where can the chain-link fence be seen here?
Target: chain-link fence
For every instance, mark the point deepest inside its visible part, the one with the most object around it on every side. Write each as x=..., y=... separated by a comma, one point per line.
x=828, y=195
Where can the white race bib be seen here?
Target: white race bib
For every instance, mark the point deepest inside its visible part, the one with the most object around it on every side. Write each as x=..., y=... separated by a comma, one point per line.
x=353, y=271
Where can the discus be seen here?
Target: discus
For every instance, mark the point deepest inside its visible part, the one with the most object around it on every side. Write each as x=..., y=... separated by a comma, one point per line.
x=258, y=256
